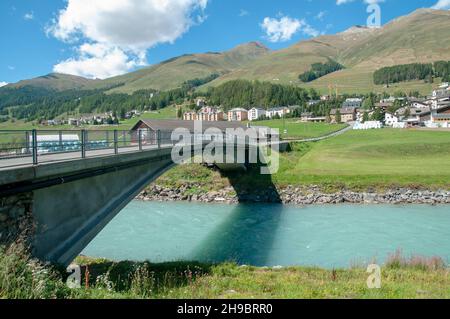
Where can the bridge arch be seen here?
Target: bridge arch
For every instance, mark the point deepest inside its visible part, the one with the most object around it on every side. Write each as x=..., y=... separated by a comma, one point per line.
x=72, y=201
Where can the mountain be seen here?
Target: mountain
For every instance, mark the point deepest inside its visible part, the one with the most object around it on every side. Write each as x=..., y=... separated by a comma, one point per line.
x=172, y=73
x=55, y=82
x=422, y=36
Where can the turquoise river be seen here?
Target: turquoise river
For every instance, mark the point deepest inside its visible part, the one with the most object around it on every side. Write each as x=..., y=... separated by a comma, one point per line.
x=272, y=235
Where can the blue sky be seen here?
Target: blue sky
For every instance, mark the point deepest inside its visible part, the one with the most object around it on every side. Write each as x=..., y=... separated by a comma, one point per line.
x=117, y=36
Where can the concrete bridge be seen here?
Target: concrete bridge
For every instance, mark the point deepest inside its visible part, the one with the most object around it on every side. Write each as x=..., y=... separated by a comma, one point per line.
x=68, y=195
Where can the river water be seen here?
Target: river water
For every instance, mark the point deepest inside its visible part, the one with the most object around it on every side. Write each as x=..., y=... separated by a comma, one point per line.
x=271, y=234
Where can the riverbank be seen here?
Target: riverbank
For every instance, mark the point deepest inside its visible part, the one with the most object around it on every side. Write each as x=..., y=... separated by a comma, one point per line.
x=24, y=278
x=300, y=195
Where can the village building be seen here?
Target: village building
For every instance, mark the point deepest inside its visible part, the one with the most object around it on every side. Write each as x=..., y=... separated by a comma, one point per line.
x=309, y=117
x=280, y=111
x=256, y=113
x=73, y=122
x=352, y=102
x=418, y=103
x=237, y=115
x=439, y=98
x=348, y=114
x=436, y=118
x=207, y=114
x=391, y=120
x=190, y=116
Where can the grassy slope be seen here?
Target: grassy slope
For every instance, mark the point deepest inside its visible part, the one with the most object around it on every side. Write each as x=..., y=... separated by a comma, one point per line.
x=56, y=81
x=378, y=157
x=298, y=130
x=172, y=73
x=418, y=37
x=355, y=160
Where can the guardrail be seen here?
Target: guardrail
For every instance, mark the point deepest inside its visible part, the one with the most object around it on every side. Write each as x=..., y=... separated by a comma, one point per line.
x=32, y=147
x=36, y=146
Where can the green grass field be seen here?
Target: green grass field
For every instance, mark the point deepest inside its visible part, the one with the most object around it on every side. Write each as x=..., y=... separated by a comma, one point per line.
x=297, y=130
x=356, y=160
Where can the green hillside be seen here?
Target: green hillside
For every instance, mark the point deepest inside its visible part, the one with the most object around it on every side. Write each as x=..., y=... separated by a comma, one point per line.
x=174, y=72
x=55, y=81
x=423, y=36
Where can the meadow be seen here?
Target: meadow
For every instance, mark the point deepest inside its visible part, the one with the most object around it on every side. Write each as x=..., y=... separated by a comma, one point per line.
x=294, y=129
x=356, y=160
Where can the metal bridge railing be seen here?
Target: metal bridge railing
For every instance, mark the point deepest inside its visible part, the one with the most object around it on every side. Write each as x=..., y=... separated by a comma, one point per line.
x=31, y=147
x=24, y=147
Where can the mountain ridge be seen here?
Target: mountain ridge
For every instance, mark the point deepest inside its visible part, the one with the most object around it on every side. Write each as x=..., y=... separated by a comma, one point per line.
x=422, y=36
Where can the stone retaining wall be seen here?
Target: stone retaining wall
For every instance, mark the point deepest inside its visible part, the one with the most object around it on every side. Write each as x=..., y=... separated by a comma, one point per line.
x=298, y=195
x=15, y=217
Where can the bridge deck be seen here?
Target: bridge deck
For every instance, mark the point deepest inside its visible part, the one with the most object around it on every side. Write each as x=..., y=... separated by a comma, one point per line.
x=25, y=161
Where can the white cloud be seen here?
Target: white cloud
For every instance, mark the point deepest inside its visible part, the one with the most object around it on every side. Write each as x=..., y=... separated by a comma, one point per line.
x=29, y=16
x=442, y=5
x=279, y=30
x=113, y=36
x=3, y=84
x=99, y=61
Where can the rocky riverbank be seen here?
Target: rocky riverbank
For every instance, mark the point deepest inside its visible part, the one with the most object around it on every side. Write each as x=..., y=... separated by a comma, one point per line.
x=296, y=195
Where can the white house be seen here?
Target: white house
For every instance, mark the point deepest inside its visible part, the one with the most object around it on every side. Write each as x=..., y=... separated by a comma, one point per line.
x=256, y=113
x=391, y=119
x=368, y=125
x=281, y=111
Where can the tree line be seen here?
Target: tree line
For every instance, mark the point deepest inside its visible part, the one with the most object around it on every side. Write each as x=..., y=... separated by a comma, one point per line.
x=414, y=71
x=248, y=94
x=320, y=69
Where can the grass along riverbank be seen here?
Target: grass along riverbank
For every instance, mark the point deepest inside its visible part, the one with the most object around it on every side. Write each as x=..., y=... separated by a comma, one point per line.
x=23, y=278
x=356, y=160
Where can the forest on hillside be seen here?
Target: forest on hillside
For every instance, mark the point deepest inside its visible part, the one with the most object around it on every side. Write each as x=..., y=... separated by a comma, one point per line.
x=247, y=94
x=414, y=71
x=319, y=70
